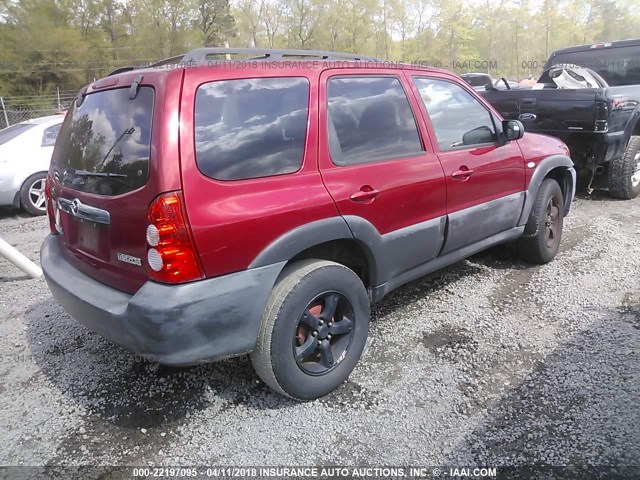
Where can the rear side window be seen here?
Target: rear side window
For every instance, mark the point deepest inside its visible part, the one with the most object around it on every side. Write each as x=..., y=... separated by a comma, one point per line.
x=104, y=145
x=370, y=120
x=13, y=131
x=251, y=128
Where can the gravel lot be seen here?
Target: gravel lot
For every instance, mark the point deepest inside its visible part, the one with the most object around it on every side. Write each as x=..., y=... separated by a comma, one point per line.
x=490, y=361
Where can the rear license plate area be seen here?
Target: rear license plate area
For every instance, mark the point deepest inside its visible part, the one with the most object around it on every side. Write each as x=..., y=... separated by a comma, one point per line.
x=88, y=238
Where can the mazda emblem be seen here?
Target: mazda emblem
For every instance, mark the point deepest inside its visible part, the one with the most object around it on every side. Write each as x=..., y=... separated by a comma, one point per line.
x=75, y=206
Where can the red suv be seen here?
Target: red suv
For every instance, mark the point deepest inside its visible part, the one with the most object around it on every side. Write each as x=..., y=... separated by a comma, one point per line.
x=214, y=208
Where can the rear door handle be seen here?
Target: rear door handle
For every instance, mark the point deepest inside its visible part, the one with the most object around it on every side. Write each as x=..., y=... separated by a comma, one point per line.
x=366, y=194
x=78, y=209
x=462, y=174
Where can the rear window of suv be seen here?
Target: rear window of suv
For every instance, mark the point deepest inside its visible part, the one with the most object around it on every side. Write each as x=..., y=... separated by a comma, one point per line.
x=251, y=128
x=104, y=144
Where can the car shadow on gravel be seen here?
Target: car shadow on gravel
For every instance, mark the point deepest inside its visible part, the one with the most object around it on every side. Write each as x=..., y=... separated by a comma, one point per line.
x=577, y=406
x=10, y=212
x=116, y=386
x=423, y=288
x=502, y=257
x=598, y=196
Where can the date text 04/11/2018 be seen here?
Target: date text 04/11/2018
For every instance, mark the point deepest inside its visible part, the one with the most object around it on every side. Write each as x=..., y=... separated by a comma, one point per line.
x=314, y=472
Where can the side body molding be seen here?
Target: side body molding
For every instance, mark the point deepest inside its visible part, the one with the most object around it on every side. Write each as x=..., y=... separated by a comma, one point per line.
x=565, y=165
x=401, y=250
x=481, y=221
x=387, y=255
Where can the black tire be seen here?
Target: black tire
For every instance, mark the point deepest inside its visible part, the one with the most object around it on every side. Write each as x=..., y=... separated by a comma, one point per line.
x=543, y=231
x=33, y=202
x=624, y=172
x=284, y=329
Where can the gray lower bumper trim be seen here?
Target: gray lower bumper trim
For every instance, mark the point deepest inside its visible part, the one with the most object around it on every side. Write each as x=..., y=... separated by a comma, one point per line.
x=172, y=324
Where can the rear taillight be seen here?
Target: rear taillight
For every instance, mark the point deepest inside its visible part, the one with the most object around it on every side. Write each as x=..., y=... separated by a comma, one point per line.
x=48, y=193
x=602, y=116
x=171, y=253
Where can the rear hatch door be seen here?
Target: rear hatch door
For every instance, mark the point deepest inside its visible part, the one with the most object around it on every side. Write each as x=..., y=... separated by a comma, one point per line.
x=106, y=172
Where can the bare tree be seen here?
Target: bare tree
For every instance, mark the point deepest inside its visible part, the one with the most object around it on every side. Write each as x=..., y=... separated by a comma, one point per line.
x=303, y=16
x=272, y=19
x=253, y=13
x=214, y=21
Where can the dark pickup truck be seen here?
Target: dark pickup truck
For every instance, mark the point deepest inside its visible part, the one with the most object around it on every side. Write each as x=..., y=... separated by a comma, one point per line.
x=589, y=97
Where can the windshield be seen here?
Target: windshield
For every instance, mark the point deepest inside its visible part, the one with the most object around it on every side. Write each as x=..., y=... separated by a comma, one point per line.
x=13, y=131
x=616, y=65
x=104, y=145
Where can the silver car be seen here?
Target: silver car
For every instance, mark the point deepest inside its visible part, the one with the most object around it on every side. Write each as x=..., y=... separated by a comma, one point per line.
x=25, y=154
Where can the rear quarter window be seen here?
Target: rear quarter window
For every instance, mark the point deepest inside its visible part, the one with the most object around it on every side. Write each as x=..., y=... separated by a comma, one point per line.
x=251, y=128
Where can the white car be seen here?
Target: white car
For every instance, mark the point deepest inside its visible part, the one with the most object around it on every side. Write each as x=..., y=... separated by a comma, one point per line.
x=25, y=155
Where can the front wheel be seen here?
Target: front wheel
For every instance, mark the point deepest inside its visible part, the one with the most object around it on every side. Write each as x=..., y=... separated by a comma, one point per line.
x=32, y=196
x=624, y=172
x=543, y=231
x=313, y=331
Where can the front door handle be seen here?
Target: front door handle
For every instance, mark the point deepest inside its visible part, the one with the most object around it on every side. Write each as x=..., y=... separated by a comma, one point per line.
x=366, y=194
x=463, y=174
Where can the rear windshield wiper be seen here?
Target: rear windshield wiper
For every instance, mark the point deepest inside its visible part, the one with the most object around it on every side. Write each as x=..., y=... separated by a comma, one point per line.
x=85, y=173
x=128, y=131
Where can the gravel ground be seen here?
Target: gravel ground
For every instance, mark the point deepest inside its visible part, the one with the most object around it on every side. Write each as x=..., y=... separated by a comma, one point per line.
x=489, y=362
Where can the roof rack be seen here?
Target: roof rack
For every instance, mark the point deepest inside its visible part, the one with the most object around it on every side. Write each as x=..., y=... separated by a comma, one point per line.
x=201, y=56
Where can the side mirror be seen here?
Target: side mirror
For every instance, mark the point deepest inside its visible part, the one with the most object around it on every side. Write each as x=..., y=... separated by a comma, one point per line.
x=512, y=129
x=478, y=136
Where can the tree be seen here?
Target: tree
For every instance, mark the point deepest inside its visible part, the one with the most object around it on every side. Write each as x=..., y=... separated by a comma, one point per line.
x=214, y=21
x=272, y=20
x=303, y=17
x=67, y=43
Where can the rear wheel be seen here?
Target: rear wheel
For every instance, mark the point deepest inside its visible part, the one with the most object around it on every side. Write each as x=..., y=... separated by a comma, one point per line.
x=624, y=172
x=543, y=231
x=32, y=196
x=313, y=330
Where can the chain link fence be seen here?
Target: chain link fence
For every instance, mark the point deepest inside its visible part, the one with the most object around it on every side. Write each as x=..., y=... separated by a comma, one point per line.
x=18, y=109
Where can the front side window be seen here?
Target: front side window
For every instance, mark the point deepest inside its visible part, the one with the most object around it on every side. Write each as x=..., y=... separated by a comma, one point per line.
x=251, y=128
x=458, y=119
x=370, y=120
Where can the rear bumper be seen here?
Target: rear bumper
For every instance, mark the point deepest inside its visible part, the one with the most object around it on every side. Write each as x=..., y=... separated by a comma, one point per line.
x=7, y=198
x=7, y=189
x=174, y=325
x=593, y=149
